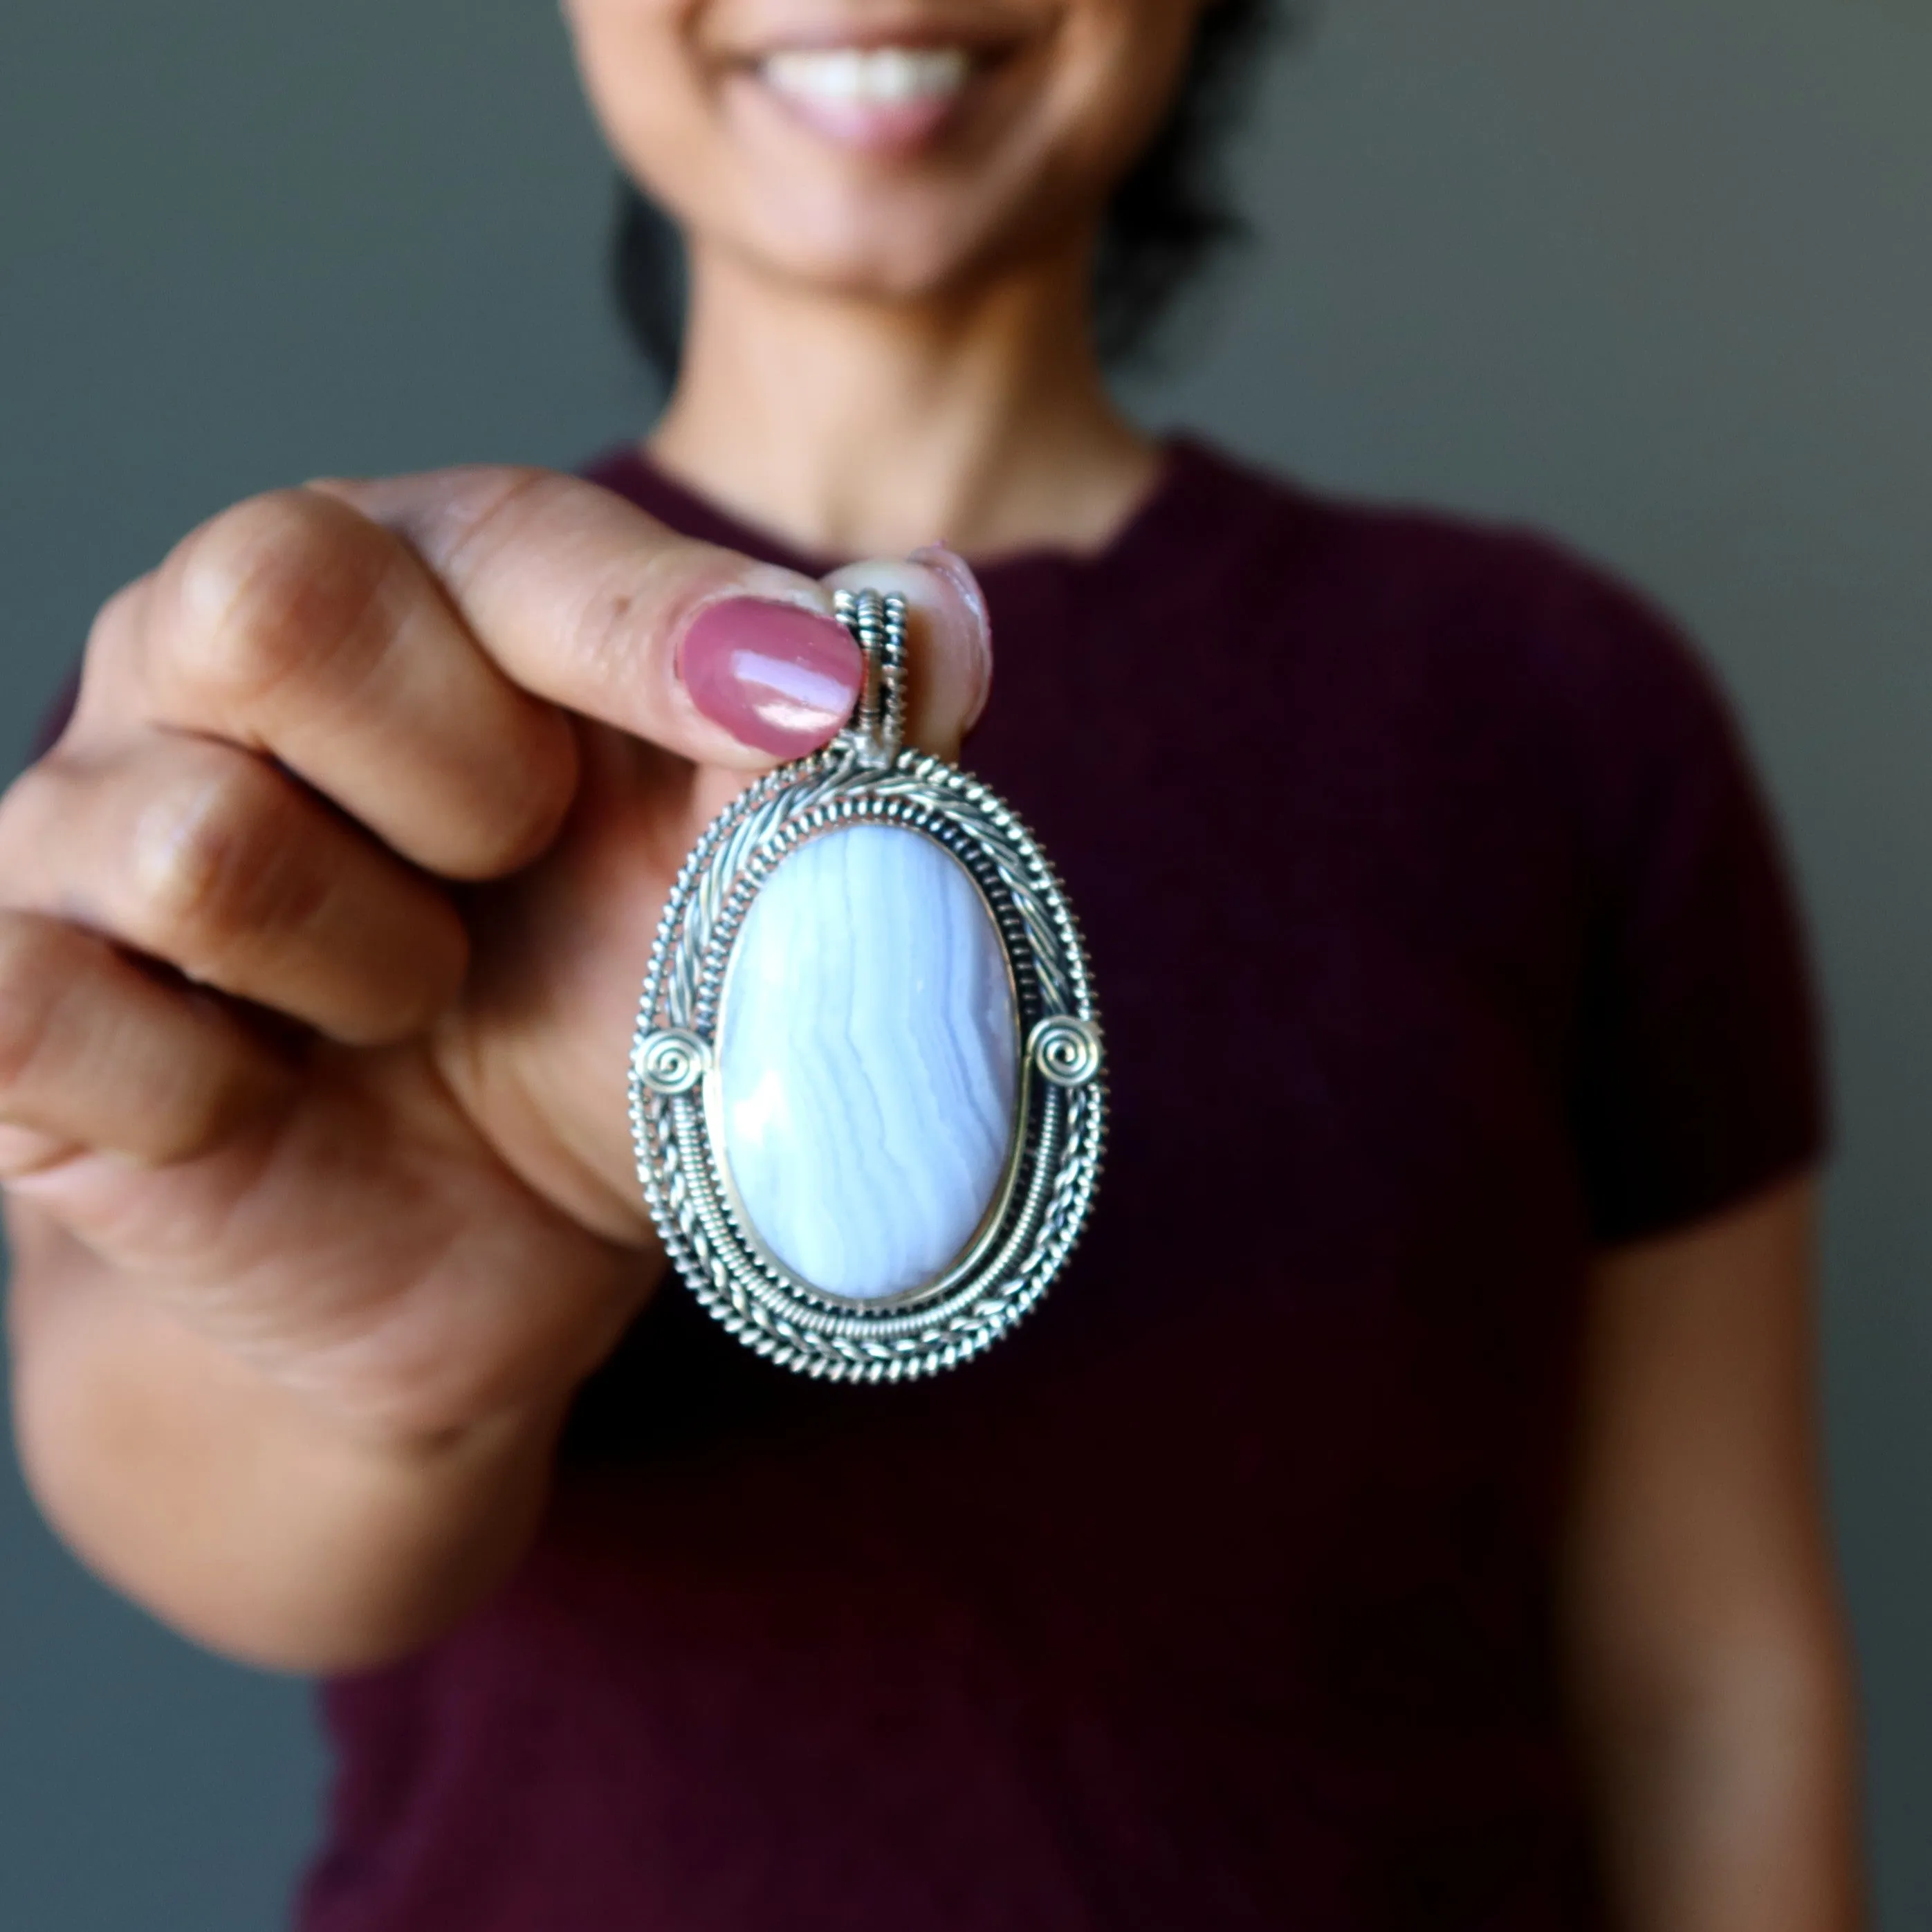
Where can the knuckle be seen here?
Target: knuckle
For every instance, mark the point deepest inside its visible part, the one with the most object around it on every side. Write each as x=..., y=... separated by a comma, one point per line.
x=117, y=617
x=517, y=823
x=484, y=510
x=112, y=636
x=217, y=856
x=282, y=586
x=26, y=812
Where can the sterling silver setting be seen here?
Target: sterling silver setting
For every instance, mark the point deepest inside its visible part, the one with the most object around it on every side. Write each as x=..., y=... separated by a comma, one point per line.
x=868, y=775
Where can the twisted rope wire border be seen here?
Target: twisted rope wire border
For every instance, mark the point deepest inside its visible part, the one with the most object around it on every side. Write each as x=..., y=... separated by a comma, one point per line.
x=676, y=1164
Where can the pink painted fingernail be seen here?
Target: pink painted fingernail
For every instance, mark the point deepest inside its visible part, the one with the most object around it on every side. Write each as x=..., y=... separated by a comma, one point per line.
x=777, y=678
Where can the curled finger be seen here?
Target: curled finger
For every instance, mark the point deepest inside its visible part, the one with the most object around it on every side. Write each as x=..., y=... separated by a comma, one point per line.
x=210, y=858
x=96, y=1053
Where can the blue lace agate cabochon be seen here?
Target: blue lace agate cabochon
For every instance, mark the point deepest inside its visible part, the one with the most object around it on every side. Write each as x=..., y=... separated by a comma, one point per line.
x=869, y=1061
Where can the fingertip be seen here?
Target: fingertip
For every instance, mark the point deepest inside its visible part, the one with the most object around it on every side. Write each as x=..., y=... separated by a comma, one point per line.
x=976, y=620
x=951, y=636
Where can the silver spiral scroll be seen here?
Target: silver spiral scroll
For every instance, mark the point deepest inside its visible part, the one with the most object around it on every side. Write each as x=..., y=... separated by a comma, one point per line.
x=670, y=1061
x=1055, y=1164
x=1067, y=1050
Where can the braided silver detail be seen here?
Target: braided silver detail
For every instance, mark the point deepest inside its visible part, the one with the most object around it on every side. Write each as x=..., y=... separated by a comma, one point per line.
x=878, y=624
x=1061, y=1099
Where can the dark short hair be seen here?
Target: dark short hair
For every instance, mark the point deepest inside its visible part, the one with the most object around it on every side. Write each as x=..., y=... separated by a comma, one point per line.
x=1170, y=216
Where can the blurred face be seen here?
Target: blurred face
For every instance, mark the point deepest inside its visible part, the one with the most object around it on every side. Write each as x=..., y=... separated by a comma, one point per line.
x=889, y=147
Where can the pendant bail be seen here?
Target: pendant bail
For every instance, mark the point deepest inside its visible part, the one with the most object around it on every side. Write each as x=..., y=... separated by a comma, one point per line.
x=877, y=625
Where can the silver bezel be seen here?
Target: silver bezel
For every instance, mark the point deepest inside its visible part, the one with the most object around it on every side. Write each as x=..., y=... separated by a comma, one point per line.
x=1055, y=1159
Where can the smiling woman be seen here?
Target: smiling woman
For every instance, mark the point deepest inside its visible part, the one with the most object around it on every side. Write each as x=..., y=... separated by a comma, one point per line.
x=1402, y=1514
x=897, y=148
x=1164, y=220
x=949, y=241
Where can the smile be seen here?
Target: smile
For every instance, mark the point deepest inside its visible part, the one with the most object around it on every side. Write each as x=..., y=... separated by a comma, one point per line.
x=870, y=97
x=868, y=76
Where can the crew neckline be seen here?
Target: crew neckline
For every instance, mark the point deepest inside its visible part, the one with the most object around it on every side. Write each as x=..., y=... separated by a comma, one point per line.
x=629, y=469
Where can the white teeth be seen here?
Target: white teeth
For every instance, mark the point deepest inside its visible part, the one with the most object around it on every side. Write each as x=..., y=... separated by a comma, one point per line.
x=868, y=76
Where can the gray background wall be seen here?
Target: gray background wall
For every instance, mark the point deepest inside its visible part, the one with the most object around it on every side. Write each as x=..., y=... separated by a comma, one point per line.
x=1656, y=275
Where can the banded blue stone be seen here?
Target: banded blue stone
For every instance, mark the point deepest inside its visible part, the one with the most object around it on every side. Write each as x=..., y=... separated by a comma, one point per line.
x=869, y=1061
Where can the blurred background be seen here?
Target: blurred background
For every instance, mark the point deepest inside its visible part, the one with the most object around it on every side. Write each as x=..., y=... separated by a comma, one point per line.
x=1656, y=275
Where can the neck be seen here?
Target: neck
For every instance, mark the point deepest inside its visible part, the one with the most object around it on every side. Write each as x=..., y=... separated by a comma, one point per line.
x=856, y=427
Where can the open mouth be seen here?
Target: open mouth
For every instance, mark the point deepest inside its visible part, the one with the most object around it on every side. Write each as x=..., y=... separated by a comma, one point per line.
x=873, y=97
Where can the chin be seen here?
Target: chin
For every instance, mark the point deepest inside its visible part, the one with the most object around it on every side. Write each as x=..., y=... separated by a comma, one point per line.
x=895, y=247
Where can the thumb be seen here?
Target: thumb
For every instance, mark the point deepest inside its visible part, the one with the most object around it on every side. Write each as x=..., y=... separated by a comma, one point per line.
x=580, y=598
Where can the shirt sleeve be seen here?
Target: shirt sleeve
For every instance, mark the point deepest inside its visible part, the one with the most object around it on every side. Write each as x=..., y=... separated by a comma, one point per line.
x=1699, y=1067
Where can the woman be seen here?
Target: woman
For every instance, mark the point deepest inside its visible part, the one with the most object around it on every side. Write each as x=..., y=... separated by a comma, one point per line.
x=1402, y=1514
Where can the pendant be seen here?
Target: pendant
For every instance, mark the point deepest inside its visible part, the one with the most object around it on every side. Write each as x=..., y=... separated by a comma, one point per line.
x=865, y=1087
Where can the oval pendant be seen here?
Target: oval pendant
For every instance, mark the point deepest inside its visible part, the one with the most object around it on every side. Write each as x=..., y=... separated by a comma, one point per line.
x=865, y=1090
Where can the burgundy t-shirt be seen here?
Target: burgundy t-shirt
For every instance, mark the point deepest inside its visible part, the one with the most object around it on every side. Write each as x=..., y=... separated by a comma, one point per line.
x=1440, y=939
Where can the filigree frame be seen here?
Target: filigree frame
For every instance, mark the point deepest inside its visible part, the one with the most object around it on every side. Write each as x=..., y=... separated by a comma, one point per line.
x=865, y=778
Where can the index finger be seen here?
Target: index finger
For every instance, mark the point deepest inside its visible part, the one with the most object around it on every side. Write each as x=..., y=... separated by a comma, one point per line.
x=583, y=599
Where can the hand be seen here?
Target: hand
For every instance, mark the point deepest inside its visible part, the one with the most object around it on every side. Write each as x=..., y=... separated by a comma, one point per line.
x=322, y=927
